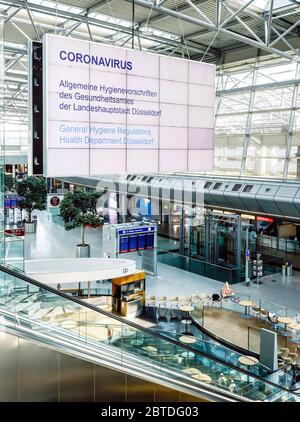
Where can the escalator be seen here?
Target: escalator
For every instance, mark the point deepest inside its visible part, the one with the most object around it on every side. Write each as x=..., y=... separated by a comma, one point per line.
x=35, y=311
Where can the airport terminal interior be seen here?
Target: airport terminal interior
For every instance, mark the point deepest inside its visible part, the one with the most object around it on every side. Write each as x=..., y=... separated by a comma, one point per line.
x=150, y=201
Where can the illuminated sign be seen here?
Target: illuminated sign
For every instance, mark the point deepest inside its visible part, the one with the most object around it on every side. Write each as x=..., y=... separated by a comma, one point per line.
x=267, y=219
x=109, y=110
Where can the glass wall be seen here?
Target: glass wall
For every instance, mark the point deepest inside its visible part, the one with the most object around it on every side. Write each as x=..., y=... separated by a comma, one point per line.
x=258, y=119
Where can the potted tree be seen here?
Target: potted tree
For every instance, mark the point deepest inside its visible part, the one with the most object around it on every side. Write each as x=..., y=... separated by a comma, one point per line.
x=78, y=209
x=33, y=191
x=9, y=183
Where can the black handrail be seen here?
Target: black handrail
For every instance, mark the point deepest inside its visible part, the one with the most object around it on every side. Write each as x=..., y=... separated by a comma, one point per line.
x=122, y=320
x=223, y=341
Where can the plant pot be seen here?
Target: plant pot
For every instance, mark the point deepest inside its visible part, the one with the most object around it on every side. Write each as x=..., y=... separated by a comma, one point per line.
x=30, y=227
x=83, y=251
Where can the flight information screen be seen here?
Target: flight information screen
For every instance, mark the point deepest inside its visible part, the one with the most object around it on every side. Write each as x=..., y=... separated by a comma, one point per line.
x=141, y=241
x=124, y=244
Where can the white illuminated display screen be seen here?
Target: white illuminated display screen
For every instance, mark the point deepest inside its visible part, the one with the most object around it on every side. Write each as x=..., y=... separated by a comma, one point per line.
x=111, y=110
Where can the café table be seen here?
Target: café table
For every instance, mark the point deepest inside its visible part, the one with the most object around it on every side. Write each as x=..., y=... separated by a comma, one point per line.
x=248, y=361
x=246, y=304
x=295, y=326
x=187, y=340
x=202, y=377
x=187, y=309
x=286, y=321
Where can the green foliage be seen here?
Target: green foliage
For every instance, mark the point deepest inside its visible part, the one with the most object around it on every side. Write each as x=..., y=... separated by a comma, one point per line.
x=78, y=209
x=34, y=192
x=9, y=183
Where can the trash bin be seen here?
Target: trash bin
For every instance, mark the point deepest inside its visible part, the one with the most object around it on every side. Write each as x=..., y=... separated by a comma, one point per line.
x=289, y=270
x=283, y=267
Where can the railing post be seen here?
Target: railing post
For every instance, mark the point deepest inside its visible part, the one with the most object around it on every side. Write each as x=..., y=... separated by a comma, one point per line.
x=248, y=337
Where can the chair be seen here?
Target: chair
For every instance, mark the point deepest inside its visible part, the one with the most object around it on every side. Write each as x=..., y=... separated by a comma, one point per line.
x=195, y=299
x=205, y=299
x=263, y=314
x=289, y=362
x=184, y=300
x=292, y=355
x=273, y=319
x=215, y=298
x=284, y=351
x=173, y=301
x=150, y=302
x=162, y=300
x=178, y=359
x=161, y=313
x=256, y=311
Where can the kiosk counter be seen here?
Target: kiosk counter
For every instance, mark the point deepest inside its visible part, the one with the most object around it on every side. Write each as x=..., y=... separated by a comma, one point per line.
x=128, y=294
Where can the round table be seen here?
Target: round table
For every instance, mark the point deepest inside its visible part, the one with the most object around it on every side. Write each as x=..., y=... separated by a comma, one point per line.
x=150, y=349
x=202, y=377
x=246, y=304
x=192, y=371
x=295, y=326
x=286, y=321
x=187, y=340
x=248, y=360
x=187, y=309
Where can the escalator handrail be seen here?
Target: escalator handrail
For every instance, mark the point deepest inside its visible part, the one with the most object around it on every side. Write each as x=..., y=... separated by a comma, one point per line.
x=227, y=344
x=20, y=275
x=201, y=387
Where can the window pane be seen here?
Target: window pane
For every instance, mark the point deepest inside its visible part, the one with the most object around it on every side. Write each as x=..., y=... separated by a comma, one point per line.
x=270, y=122
x=231, y=124
x=267, y=146
x=267, y=167
x=273, y=98
x=228, y=154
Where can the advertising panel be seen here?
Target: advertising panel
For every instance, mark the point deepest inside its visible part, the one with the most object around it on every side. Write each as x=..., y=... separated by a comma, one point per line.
x=109, y=110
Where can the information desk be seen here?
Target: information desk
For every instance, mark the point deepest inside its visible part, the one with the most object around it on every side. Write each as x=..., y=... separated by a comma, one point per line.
x=128, y=294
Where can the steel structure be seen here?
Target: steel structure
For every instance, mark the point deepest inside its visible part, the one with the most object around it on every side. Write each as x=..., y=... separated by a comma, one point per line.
x=216, y=31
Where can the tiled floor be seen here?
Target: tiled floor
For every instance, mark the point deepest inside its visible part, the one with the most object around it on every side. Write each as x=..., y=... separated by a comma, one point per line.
x=52, y=241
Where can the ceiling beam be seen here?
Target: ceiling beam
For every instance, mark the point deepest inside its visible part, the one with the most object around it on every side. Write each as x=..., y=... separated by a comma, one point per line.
x=97, y=22
x=215, y=28
x=179, y=9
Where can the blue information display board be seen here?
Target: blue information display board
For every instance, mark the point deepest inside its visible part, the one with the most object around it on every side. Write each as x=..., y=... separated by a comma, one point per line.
x=133, y=243
x=141, y=242
x=6, y=201
x=10, y=201
x=150, y=241
x=136, y=239
x=124, y=244
x=13, y=202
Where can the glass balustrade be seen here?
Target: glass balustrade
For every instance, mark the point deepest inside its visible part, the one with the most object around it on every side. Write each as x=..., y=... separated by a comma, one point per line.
x=13, y=251
x=222, y=353
x=196, y=266
x=28, y=304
